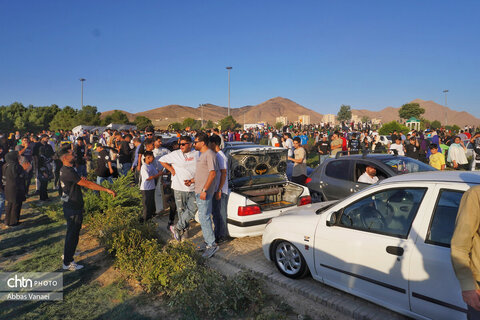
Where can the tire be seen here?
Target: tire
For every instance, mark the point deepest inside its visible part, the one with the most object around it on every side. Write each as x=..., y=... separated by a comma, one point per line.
x=289, y=261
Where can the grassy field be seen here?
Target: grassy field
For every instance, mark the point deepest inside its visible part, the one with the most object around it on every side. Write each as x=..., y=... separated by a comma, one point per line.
x=96, y=292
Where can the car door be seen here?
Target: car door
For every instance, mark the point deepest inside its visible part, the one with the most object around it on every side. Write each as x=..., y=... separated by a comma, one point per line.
x=366, y=249
x=359, y=169
x=434, y=288
x=337, y=179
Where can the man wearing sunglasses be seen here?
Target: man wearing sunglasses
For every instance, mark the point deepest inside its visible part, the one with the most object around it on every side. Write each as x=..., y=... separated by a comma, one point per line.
x=181, y=164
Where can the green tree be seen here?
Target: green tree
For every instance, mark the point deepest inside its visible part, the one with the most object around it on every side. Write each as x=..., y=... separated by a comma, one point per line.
x=117, y=117
x=365, y=119
x=424, y=124
x=189, y=123
x=345, y=113
x=409, y=110
x=142, y=122
x=279, y=125
x=176, y=126
x=88, y=116
x=435, y=124
x=64, y=119
x=210, y=124
x=389, y=127
x=229, y=123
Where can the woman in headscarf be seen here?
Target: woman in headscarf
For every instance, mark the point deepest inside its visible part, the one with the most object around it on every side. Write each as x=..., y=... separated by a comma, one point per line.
x=423, y=145
x=14, y=186
x=457, y=154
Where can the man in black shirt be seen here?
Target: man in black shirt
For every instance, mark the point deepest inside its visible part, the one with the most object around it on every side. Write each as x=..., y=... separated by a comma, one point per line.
x=412, y=149
x=104, y=165
x=323, y=147
x=353, y=145
x=125, y=154
x=72, y=199
x=45, y=166
x=80, y=151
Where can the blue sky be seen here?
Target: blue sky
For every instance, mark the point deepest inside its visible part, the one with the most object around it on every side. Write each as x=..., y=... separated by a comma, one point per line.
x=137, y=55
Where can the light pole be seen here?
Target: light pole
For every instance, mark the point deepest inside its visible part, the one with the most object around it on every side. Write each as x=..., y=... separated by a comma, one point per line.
x=446, y=110
x=82, y=80
x=201, y=106
x=228, y=68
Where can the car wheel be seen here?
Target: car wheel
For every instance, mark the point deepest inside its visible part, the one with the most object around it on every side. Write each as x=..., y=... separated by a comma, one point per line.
x=289, y=260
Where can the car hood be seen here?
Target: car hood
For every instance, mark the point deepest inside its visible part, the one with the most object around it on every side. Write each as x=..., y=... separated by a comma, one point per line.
x=257, y=166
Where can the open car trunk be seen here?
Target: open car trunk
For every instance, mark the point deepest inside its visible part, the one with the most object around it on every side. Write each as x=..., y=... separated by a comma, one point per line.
x=274, y=196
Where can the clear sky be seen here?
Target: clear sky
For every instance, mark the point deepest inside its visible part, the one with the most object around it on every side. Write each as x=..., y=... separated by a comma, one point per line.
x=137, y=55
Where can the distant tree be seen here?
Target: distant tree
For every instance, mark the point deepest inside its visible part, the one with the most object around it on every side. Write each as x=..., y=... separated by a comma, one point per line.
x=435, y=124
x=410, y=110
x=365, y=119
x=117, y=117
x=175, y=126
x=389, y=127
x=455, y=128
x=229, y=123
x=88, y=116
x=345, y=113
x=209, y=125
x=424, y=124
x=192, y=124
x=64, y=119
x=279, y=125
x=142, y=122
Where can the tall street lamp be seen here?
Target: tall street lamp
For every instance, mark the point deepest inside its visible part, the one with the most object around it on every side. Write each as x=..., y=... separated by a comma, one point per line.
x=82, y=80
x=446, y=110
x=228, y=68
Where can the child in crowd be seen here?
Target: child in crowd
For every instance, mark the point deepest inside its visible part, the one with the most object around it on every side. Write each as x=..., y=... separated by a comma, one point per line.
x=148, y=175
x=437, y=159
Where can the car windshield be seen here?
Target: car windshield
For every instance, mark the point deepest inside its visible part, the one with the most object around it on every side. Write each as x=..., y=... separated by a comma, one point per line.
x=407, y=165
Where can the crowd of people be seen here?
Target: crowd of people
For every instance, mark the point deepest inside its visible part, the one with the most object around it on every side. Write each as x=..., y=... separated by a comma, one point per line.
x=190, y=172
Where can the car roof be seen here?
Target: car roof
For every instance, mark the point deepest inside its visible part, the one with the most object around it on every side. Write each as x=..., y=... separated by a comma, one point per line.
x=369, y=156
x=470, y=177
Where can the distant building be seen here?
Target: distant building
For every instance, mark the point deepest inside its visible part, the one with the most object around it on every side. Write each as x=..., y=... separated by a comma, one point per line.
x=329, y=118
x=356, y=118
x=304, y=119
x=281, y=120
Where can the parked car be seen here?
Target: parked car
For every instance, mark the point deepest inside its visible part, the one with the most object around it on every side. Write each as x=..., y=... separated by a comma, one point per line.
x=259, y=188
x=389, y=243
x=337, y=178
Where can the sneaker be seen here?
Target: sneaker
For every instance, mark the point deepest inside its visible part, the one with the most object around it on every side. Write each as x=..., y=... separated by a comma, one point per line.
x=201, y=247
x=175, y=233
x=72, y=266
x=76, y=254
x=210, y=251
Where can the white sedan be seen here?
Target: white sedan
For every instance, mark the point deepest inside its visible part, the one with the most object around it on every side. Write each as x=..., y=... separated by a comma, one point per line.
x=389, y=243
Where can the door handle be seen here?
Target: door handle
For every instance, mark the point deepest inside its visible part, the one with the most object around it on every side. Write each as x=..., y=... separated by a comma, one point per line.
x=396, y=251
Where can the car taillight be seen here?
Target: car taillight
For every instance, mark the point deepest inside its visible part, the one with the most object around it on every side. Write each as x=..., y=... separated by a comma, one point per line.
x=304, y=200
x=308, y=180
x=249, y=210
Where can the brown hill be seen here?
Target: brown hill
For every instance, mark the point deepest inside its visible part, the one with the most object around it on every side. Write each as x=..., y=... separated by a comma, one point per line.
x=266, y=111
x=433, y=111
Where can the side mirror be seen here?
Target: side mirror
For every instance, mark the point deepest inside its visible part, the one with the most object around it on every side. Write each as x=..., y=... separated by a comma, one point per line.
x=333, y=219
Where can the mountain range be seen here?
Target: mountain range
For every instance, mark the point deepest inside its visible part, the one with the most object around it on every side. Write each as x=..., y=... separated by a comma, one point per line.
x=271, y=109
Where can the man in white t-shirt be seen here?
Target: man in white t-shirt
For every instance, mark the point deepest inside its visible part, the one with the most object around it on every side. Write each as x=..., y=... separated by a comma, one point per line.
x=369, y=176
x=288, y=143
x=220, y=198
x=398, y=146
x=159, y=152
x=181, y=163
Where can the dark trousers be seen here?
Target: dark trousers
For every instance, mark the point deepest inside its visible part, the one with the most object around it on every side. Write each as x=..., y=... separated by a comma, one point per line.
x=28, y=181
x=148, y=201
x=74, y=224
x=43, y=188
x=12, y=213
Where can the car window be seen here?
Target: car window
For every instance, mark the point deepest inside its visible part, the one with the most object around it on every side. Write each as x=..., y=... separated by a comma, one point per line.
x=360, y=168
x=390, y=212
x=401, y=165
x=338, y=170
x=442, y=224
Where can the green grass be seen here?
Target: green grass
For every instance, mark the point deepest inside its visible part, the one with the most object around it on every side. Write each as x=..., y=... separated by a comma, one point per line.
x=37, y=245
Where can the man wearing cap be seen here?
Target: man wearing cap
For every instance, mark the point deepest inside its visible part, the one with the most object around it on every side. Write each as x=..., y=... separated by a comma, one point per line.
x=72, y=199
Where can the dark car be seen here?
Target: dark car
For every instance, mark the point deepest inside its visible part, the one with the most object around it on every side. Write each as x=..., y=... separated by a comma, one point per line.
x=337, y=178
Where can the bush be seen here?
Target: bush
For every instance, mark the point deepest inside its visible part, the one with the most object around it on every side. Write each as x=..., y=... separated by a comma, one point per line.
x=389, y=127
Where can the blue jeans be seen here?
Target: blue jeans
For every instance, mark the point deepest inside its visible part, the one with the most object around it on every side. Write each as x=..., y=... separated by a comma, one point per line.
x=101, y=179
x=219, y=213
x=81, y=170
x=125, y=168
x=205, y=217
x=186, y=207
x=2, y=204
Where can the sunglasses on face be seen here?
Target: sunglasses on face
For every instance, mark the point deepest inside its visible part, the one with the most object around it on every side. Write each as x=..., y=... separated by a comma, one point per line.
x=184, y=144
x=149, y=134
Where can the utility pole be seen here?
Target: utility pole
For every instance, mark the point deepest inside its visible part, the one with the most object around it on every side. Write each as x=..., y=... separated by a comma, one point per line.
x=446, y=109
x=201, y=106
x=228, y=68
x=82, y=80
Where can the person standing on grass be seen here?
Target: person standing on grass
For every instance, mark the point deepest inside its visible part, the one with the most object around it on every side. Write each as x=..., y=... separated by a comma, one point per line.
x=72, y=199
x=149, y=173
x=80, y=150
x=204, y=180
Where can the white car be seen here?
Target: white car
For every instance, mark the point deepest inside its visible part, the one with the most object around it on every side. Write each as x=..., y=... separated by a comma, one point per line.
x=259, y=188
x=389, y=243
